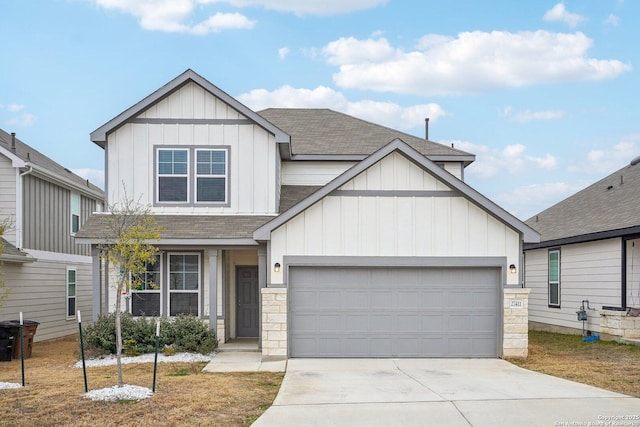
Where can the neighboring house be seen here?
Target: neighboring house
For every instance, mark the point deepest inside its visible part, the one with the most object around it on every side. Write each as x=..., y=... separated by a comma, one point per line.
x=589, y=251
x=48, y=275
x=321, y=234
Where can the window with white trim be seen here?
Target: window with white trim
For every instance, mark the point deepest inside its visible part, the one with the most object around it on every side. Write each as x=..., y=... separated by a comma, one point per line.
x=173, y=175
x=75, y=213
x=184, y=283
x=211, y=175
x=71, y=291
x=554, y=278
x=145, y=291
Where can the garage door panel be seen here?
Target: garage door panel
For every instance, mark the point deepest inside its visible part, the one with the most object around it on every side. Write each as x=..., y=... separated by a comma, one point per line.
x=393, y=312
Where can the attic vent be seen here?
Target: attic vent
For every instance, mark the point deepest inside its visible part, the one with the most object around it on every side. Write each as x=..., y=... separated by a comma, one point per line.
x=635, y=161
x=610, y=187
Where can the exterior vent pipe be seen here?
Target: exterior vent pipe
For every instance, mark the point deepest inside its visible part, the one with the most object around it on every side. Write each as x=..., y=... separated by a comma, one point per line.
x=13, y=141
x=426, y=128
x=633, y=162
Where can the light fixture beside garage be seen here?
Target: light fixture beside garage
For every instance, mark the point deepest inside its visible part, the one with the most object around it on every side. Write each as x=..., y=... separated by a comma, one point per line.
x=512, y=268
x=276, y=267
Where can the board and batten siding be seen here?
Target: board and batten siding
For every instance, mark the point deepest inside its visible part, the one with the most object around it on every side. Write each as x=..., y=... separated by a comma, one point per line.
x=588, y=271
x=252, y=155
x=363, y=225
x=38, y=290
x=320, y=173
x=8, y=196
x=47, y=217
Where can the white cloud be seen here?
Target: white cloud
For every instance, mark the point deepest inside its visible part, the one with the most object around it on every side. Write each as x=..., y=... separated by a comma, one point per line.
x=95, y=176
x=385, y=113
x=473, y=62
x=306, y=7
x=528, y=115
x=605, y=161
x=23, y=120
x=14, y=108
x=512, y=159
x=612, y=20
x=171, y=15
x=283, y=52
x=528, y=200
x=560, y=13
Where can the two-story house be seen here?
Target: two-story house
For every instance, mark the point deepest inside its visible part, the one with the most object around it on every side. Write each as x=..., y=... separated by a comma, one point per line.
x=318, y=233
x=47, y=274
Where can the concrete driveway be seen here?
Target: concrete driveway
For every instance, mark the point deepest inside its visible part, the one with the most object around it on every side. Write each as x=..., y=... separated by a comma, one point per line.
x=438, y=392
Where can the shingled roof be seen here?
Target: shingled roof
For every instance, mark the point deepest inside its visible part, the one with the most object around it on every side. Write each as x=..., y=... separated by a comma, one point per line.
x=327, y=132
x=610, y=205
x=33, y=157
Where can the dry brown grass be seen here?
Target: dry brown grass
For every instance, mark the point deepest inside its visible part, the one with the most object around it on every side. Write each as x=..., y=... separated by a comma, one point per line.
x=604, y=364
x=54, y=393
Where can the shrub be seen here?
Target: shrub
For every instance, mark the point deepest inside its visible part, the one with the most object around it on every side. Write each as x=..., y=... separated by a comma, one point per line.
x=183, y=333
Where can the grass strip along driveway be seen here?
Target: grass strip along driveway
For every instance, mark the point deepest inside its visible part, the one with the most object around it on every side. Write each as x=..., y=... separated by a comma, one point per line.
x=54, y=393
x=605, y=364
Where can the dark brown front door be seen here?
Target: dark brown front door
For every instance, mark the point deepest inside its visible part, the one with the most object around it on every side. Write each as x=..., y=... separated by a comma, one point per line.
x=247, y=301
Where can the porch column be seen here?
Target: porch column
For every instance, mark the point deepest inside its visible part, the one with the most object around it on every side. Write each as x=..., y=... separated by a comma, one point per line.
x=213, y=289
x=262, y=283
x=95, y=279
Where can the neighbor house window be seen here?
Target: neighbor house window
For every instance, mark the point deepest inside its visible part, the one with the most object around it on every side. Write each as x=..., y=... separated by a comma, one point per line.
x=173, y=176
x=554, y=278
x=211, y=175
x=192, y=176
x=75, y=213
x=71, y=291
x=184, y=284
x=145, y=290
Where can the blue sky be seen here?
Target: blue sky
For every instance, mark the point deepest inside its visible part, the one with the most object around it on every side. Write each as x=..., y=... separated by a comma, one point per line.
x=545, y=93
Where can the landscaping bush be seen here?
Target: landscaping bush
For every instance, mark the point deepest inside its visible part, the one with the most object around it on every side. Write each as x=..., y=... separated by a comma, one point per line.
x=183, y=333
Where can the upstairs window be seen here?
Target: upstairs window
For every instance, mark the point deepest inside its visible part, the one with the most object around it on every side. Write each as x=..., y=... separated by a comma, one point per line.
x=75, y=213
x=173, y=176
x=211, y=175
x=192, y=176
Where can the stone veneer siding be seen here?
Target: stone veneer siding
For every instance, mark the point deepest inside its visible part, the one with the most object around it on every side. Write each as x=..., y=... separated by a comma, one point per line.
x=274, y=323
x=515, y=340
x=619, y=324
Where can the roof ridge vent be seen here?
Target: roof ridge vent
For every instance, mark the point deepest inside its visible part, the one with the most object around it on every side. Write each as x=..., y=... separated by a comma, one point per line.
x=635, y=161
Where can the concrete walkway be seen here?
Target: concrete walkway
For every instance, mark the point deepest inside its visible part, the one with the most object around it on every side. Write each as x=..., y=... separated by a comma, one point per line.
x=437, y=392
x=242, y=355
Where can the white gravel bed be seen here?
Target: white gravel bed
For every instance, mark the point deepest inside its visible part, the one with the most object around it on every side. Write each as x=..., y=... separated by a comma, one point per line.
x=9, y=385
x=147, y=358
x=115, y=393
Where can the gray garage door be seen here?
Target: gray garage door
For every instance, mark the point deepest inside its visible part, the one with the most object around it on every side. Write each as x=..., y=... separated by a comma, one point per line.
x=393, y=312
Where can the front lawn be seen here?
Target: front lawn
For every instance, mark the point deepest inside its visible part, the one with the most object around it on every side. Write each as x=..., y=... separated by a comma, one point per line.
x=54, y=393
x=604, y=364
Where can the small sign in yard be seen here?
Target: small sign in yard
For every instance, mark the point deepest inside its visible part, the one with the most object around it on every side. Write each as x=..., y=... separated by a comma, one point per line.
x=516, y=303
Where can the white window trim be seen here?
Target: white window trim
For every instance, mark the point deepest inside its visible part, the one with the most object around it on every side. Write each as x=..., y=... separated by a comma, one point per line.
x=68, y=297
x=225, y=176
x=157, y=173
x=168, y=279
x=72, y=213
x=152, y=291
x=549, y=282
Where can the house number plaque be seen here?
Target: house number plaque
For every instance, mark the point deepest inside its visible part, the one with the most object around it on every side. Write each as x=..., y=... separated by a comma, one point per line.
x=516, y=303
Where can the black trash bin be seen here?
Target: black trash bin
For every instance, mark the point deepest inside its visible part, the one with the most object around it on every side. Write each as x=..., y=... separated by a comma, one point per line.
x=30, y=327
x=8, y=333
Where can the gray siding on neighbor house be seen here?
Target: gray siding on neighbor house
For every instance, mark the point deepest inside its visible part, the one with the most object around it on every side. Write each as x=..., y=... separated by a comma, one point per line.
x=7, y=194
x=47, y=217
x=39, y=291
x=588, y=271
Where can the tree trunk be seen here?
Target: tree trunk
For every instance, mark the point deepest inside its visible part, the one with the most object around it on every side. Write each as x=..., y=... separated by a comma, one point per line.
x=119, y=331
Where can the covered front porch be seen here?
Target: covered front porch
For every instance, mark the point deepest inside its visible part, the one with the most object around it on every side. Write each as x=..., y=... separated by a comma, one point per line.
x=220, y=284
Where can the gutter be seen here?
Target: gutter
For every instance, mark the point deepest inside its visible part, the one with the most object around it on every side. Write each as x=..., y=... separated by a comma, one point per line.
x=87, y=191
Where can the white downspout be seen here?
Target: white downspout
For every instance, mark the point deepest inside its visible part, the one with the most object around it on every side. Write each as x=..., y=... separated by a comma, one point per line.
x=19, y=206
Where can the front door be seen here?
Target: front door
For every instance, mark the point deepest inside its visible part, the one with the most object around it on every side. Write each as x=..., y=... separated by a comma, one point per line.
x=247, y=301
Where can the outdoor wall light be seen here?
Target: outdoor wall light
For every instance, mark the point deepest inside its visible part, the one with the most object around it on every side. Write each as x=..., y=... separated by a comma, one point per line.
x=512, y=268
x=276, y=267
